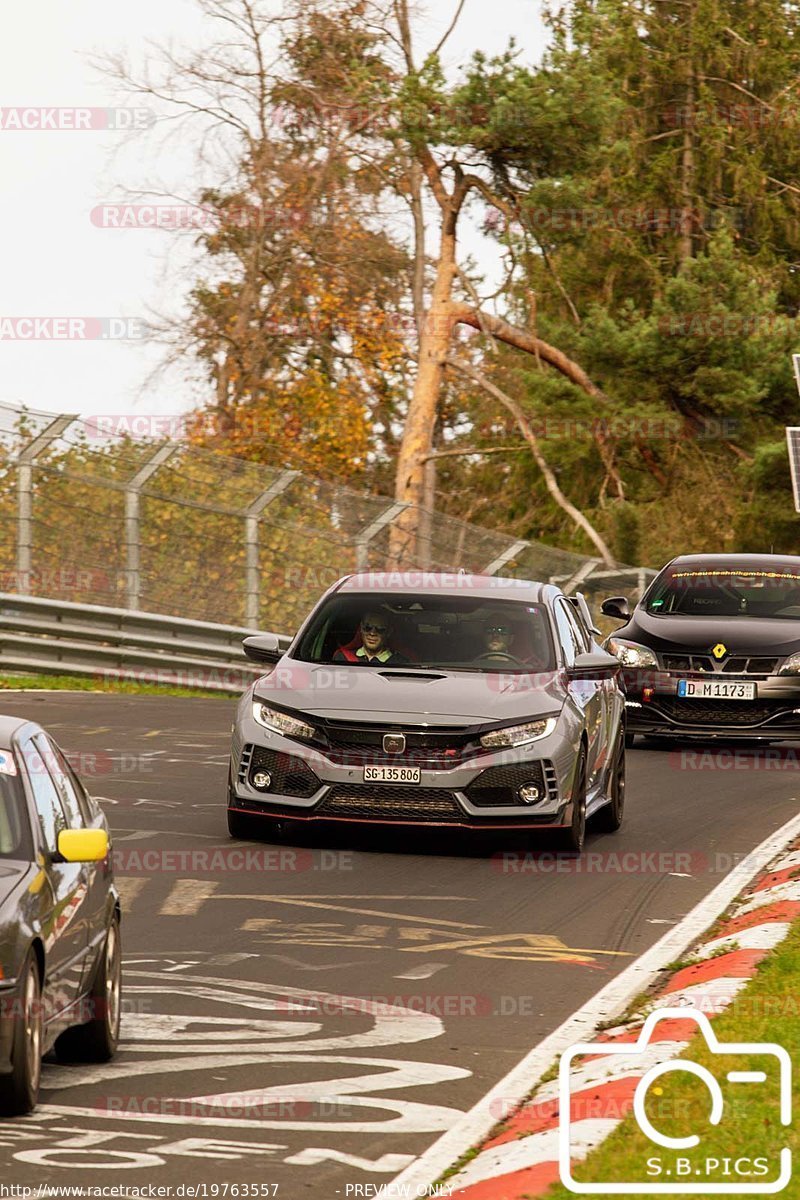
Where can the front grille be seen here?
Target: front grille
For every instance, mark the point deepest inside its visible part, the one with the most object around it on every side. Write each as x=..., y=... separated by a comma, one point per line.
x=350, y=742
x=365, y=802
x=290, y=776
x=716, y=712
x=750, y=666
x=499, y=785
x=702, y=664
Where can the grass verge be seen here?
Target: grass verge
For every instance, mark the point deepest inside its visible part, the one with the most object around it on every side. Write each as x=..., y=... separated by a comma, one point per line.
x=80, y=683
x=750, y=1133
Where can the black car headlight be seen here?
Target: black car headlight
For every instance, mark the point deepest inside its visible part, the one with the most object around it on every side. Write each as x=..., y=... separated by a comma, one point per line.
x=631, y=654
x=281, y=722
x=791, y=665
x=519, y=735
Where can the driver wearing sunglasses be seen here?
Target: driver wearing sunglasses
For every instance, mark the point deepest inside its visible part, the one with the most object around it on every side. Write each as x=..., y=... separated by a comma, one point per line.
x=375, y=650
x=497, y=637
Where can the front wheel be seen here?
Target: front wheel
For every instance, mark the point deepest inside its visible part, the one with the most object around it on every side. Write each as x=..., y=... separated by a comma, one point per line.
x=19, y=1091
x=609, y=818
x=572, y=839
x=97, y=1040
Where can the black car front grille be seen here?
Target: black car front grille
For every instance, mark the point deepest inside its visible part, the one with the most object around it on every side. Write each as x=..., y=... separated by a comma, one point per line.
x=498, y=786
x=388, y=803
x=703, y=665
x=716, y=712
x=290, y=776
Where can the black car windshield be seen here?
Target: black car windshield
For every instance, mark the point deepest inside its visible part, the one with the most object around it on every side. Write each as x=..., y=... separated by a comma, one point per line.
x=436, y=632
x=15, y=839
x=726, y=592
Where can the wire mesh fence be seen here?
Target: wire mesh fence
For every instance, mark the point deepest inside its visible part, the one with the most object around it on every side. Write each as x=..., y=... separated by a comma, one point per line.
x=172, y=528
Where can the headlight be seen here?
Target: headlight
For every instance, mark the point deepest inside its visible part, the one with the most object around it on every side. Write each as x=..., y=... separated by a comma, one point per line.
x=791, y=666
x=281, y=722
x=631, y=654
x=519, y=735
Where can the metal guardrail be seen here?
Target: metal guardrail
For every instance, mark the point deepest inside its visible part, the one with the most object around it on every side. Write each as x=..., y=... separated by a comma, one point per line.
x=54, y=637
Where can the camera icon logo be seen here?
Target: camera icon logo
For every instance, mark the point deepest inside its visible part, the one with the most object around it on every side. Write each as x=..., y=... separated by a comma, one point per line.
x=685, y=1169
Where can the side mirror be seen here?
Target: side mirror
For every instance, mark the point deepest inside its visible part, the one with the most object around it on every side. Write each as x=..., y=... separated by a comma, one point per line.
x=616, y=607
x=594, y=666
x=263, y=648
x=82, y=845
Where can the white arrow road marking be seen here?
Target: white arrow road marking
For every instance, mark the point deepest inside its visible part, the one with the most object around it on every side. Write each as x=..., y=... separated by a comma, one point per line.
x=314, y=1156
x=422, y=972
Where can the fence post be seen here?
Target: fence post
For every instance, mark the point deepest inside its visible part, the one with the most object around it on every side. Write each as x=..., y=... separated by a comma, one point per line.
x=366, y=535
x=252, y=517
x=25, y=459
x=133, y=494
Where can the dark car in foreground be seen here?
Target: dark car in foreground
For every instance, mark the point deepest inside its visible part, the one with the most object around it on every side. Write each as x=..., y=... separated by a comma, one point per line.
x=712, y=650
x=60, y=960
x=467, y=701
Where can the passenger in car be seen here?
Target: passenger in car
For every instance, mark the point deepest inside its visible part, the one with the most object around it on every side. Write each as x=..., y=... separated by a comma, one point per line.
x=374, y=633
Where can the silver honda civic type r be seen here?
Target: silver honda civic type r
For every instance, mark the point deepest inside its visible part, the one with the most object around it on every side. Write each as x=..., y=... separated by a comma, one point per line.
x=451, y=701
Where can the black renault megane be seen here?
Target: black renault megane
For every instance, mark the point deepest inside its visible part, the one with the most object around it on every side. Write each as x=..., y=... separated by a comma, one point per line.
x=713, y=649
x=59, y=917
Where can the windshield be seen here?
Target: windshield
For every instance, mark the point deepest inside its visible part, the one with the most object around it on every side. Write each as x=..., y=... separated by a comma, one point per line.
x=421, y=631
x=14, y=827
x=726, y=592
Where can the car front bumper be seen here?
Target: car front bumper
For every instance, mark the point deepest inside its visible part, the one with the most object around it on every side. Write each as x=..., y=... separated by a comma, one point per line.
x=654, y=708
x=445, y=796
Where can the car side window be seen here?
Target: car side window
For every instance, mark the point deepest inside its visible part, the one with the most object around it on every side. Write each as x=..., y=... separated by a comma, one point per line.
x=566, y=635
x=52, y=817
x=578, y=629
x=54, y=763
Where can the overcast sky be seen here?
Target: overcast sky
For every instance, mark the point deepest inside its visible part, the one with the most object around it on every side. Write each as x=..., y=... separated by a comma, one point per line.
x=54, y=262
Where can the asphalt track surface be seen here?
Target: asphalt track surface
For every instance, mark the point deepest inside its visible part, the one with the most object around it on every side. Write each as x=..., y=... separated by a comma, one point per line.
x=307, y=1018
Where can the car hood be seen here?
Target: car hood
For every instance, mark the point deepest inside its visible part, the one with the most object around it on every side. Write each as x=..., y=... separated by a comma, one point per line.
x=11, y=873
x=742, y=636
x=416, y=696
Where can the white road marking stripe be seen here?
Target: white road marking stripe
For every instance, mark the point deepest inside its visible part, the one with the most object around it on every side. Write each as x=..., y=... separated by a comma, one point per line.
x=129, y=888
x=609, y=1001
x=782, y=891
x=187, y=897
x=710, y=997
x=530, y=1151
x=760, y=937
x=611, y=1067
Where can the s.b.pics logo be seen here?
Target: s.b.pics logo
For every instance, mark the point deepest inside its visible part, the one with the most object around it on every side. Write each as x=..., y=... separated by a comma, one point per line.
x=690, y=1114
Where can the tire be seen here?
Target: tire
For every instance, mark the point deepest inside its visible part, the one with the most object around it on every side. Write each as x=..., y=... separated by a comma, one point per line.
x=610, y=816
x=97, y=1040
x=573, y=838
x=630, y=740
x=19, y=1091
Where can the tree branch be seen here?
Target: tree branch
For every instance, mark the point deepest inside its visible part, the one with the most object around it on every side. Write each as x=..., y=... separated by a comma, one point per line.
x=551, y=483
